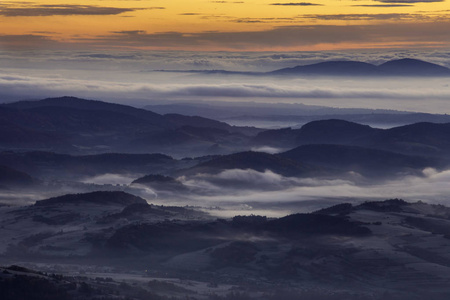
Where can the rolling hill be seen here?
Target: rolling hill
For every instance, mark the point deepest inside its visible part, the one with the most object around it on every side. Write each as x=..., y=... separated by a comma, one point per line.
x=74, y=125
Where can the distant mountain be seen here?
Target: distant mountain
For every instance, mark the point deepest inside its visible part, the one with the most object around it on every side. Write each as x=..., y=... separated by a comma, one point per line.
x=413, y=67
x=341, y=68
x=400, y=67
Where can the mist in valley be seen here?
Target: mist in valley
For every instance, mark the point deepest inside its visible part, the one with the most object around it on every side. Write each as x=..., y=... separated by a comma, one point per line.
x=202, y=176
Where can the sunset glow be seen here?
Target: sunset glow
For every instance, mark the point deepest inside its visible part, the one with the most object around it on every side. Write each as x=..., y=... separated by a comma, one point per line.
x=224, y=25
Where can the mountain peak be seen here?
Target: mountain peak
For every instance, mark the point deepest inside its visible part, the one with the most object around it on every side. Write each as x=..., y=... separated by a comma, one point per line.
x=413, y=67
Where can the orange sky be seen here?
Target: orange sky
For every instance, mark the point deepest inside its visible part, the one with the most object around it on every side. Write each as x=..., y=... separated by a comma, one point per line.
x=224, y=25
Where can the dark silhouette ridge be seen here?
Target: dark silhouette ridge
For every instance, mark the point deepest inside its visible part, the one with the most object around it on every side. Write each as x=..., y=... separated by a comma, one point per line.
x=335, y=68
x=100, y=198
x=13, y=178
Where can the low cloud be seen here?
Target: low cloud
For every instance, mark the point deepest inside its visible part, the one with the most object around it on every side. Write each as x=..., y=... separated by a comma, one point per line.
x=409, y=1
x=113, y=179
x=271, y=193
x=383, y=5
x=364, y=17
x=61, y=10
x=27, y=41
x=297, y=4
x=428, y=31
x=268, y=149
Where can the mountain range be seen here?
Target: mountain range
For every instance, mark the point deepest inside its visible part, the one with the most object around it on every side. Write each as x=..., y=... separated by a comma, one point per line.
x=405, y=67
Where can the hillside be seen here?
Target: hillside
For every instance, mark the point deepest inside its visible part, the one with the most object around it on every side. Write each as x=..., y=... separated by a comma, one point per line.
x=423, y=139
x=74, y=125
x=257, y=161
x=368, y=162
x=13, y=178
x=354, y=246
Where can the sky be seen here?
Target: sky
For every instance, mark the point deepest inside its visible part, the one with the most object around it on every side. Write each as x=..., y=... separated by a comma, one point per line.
x=210, y=25
x=113, y=50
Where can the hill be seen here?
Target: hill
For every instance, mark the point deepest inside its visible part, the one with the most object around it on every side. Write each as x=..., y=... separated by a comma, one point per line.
x=13, y=178
x=423, y=139
x=368, y=162
x=72, y=167
x=74, y=125
x=257, y=161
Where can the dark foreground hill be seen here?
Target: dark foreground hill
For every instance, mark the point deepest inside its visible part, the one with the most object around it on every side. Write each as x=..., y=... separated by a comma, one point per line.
x=372, y=250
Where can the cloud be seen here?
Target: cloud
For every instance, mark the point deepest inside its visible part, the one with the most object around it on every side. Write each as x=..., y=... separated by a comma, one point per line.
x=27, y=41
x=383, y=5
x=364, y=17
x=268, y=149
x=409, y=1
x=411, y=92
x=107, y=56
x=62, y=10
x=110, y=179
x=228, y=2
x=130, y=32
x=297, y=4
x=295, y=37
